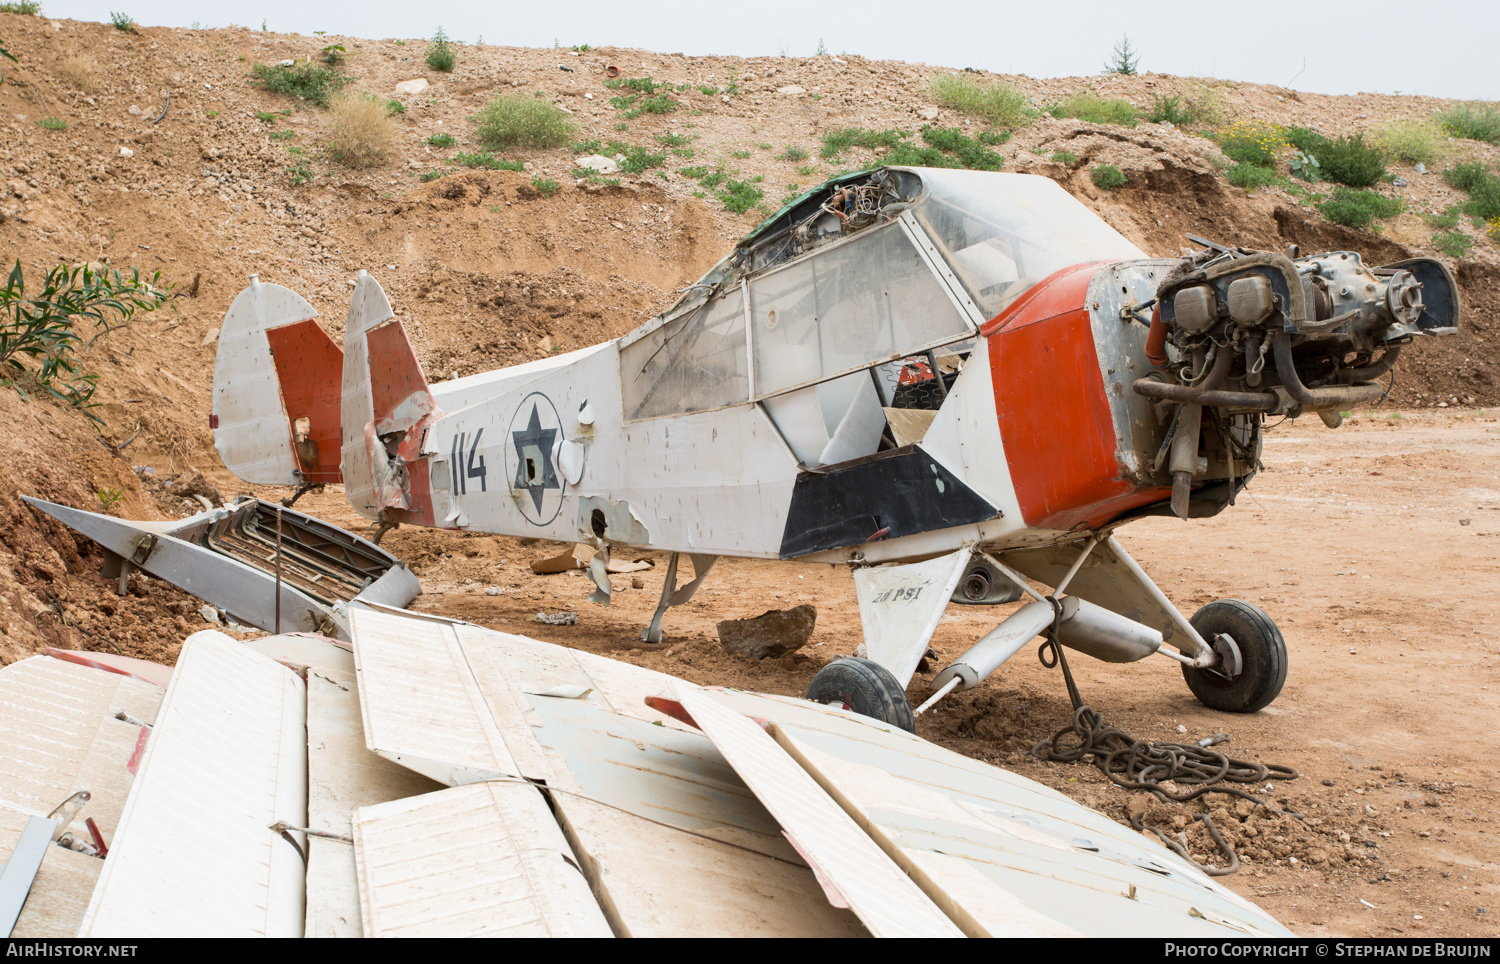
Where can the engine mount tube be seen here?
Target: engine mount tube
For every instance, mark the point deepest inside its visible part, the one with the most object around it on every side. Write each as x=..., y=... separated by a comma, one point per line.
x=1246, y=401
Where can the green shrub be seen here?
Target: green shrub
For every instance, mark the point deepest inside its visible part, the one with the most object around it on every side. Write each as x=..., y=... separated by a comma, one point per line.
x=1067, y=158
x=1124, y=59
x=1358, y=209
x=333, y=54
x=999, y=105
x=1482, y=187
x=123, y=22
x=836, y=142
x=285, y=135
x=1090, y=107
x=1446, y=221
x=52, y=124
x=305, y=81
x=265, y=117
x=300, y=173
x=1252, y=142
x=441, y=140
x=1168, y=110
x=793, y=153
x=26, y=8
x=1453, y=244
x=440, y=55
x=907, y=154
x=545, y=186
x=739, y=154
x=1107, y=176
x=637, y=104
x=1410, y=142
x=641, y=85
x=696, y=173
x=993, y=138
x=741, y=196
x=394, y=107
x=1304, y=139
x=1251, y=176
x=1475, y=121
x=39, y=332
x=432, y=175
x=1349, y=160
x=673, y=140
x=488, y=161
x=1305, y=166
x=637, y=158
x=512, y=121
x=971, y=153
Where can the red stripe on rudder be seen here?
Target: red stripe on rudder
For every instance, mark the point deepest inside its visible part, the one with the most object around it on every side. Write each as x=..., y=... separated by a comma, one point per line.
x=141, y=739
x=310, y=370
x=398, y=388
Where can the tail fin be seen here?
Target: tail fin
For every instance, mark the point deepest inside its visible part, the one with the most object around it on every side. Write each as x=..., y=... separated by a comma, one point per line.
x=276, y=390
x=385, y=411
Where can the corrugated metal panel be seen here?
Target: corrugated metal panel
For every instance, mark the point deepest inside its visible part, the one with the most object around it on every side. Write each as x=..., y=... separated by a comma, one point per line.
x=1011, y=857
x=195, y=855
x=478, y=861
x=420, y=703
x=342, y=776
x=888, y=902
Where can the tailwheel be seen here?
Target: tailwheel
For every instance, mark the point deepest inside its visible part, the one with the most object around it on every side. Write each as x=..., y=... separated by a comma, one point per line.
x=866, y=687
x=1252, y=665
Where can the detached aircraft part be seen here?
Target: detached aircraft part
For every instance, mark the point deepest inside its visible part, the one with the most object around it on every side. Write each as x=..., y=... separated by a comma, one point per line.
x=228, y=558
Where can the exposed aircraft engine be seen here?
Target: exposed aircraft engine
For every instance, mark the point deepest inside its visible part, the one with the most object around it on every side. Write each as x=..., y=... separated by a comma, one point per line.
x=1259, y=332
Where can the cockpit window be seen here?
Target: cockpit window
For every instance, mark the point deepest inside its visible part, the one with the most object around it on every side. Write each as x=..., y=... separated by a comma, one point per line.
x=1002, y=233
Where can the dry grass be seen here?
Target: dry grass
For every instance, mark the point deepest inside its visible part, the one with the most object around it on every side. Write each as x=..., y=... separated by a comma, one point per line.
x=360, y=131
x=79, y=71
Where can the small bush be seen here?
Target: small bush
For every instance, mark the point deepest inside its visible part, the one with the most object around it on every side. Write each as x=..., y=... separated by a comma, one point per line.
x=1252, y=142
x=1107, y=176
x=793, y=153
x=993, y=138
x=636, y=158
x=1410, y=142
x=1358, y=209
x=441, y=140
x=1066, y=158
x=1349, y=160
x=1492, y=229
x=1090, y=107
x=999, y=105
x=440, y=55
x=1124, y=59
x=907, y=154
x=673, y=140
x=123, y=22
x=489, y=162
x=265, y=116
x=1304, y=139
x=285, y=135
x=52, y=124
x=1482, y=187
x=641, y=85
x=26, y=8
x=305, y=81
x=1453, y=244
x=1251, y=176
x=971, y=153
x=333, y=54
x=360, y=132
x=741, y=196
x=511, y=121
x=836, y=142
x=1168, y=110
x=1446, y=221
x=545, y=186
x=432, y=176
x=395, y=108
x=1306, y=167
x=1475, y=121
x=79, y=71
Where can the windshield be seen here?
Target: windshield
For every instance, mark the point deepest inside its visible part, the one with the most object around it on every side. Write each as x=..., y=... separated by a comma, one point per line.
x=1003, y=233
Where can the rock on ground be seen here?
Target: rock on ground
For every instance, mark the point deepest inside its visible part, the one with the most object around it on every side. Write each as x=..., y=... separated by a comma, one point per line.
x=773, y=633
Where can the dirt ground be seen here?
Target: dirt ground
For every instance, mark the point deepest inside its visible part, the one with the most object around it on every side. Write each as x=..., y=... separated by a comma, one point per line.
x=1353, y=540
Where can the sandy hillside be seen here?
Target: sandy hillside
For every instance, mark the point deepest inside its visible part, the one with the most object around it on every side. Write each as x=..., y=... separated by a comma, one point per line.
x=1351, y=538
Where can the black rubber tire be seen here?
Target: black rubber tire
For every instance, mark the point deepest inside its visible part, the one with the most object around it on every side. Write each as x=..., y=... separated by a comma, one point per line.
x=865, y=687
x=1262, y=654
x=1001, y=589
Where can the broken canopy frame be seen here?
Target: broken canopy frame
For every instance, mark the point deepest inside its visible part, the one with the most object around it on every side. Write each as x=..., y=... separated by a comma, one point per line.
x=228, y=558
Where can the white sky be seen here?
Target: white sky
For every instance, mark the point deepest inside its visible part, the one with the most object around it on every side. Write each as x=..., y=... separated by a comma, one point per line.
x=1442, y=48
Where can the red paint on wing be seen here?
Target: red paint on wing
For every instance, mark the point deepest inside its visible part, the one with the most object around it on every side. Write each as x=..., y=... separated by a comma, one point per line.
x=310, y=370
x=1054, y=415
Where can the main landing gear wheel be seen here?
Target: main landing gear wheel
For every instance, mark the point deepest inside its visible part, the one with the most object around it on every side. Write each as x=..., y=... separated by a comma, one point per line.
x=866, y=687
x=983, y=585
x=1261, y=651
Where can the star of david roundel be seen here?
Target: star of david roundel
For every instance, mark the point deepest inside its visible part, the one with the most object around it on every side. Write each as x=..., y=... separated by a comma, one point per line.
x=535, y=483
